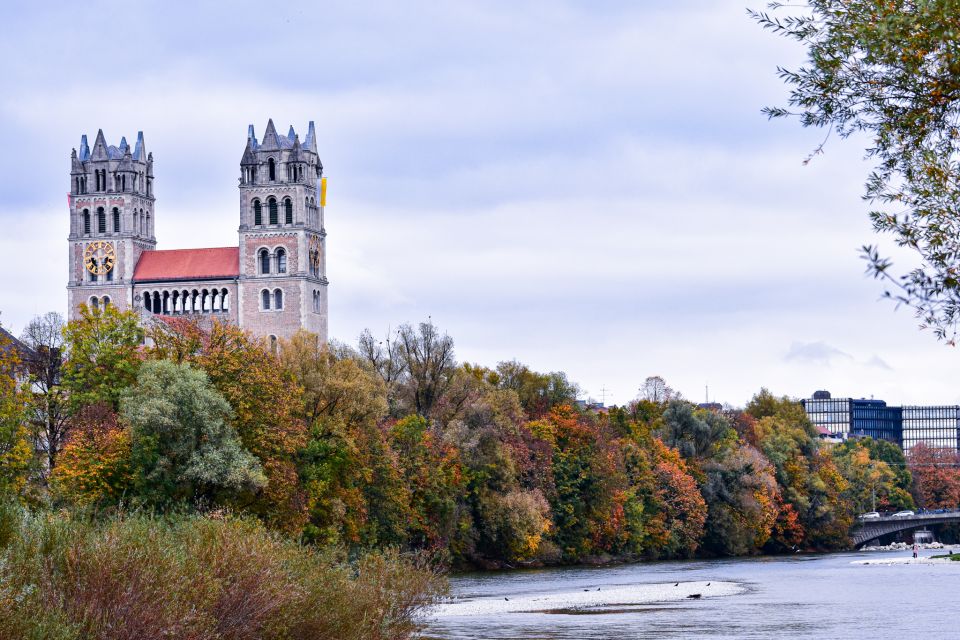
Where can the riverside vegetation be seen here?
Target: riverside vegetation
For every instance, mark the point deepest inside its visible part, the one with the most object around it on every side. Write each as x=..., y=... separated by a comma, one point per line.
x=204, y=486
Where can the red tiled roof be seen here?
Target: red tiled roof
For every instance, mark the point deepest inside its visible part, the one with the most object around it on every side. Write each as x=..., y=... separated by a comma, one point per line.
x=188, y=264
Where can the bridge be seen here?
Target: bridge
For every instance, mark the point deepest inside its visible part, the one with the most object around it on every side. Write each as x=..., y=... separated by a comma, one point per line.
x=865, y=530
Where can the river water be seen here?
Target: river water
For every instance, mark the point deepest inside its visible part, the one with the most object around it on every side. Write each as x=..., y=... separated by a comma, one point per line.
x=800, y=596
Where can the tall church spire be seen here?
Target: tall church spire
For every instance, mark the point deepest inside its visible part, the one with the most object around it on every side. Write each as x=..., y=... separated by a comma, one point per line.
x=100, y=147
x=310, y=144
x=271, y=141
x=138, y=152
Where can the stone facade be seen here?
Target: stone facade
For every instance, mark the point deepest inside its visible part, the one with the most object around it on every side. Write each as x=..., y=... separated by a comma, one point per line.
x=273, y=284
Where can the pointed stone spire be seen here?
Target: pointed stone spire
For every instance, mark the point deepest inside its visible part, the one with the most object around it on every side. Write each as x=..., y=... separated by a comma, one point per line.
x=249, y=157
x=295, y=155
x=252, y=138
x=126, y=163
x=100, y=147
x=291, y=134
x=271, y=141
x=75, y=165
x=123, y=144
x=138, y=152
x=84, y=149
x=310, y=144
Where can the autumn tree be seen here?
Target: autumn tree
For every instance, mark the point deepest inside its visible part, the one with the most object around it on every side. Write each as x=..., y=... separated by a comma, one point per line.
x=588, y=496
x=94, y=467
x=434, y=476
x=48, y=407
x=538, y=392
x=877, y=474
x=681, y=511
x=343, y=404
x=936, y=476
x=16, y=454
x=890, y=70
x=102, y=355
x=184, y=448
x=741, y=495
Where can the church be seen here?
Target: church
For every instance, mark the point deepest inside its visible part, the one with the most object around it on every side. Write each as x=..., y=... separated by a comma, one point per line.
x=272, y=284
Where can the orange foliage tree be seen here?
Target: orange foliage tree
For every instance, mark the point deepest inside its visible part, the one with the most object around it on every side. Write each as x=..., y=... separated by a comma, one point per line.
x=936, y=476
x=94, y=466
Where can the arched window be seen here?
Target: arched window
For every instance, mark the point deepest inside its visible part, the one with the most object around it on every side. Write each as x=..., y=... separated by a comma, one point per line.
x=288, y=211
x=264, y=257
x=257, y=213
x=224, y=300
x=281, y=261
x=273, y=345
x=272, y=204
x=86, y=221
x=101, y=220
x=272, y=169
x=116, y=220
x=147, y=230
x=95, y=303
x=106, y=301
x=265, y=300
x=277, y=299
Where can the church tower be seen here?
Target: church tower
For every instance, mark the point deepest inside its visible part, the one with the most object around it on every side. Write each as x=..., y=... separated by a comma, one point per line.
x=111, y=221
x=282, y=282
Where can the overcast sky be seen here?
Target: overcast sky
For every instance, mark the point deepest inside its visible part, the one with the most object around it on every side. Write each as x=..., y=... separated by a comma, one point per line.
x=582, y=186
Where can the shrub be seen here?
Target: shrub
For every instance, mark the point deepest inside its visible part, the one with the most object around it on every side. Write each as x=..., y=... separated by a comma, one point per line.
x=192, y=578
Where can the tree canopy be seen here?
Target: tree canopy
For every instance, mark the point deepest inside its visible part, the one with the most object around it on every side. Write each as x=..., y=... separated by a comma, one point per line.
x=890, y=70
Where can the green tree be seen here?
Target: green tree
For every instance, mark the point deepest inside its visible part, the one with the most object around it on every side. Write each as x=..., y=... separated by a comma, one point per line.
x=890, y=69
x=102, y=361
x=693, y=432
x=184, y=448
x=266, y=403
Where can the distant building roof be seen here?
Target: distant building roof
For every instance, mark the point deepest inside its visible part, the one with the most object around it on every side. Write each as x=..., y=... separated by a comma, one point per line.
x=188, y=264
x=11, y=342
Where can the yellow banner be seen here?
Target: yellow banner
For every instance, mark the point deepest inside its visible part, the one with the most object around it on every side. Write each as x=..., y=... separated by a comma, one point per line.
x=323, y=192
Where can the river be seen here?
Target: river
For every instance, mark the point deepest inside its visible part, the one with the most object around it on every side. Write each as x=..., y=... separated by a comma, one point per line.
x=801, y=596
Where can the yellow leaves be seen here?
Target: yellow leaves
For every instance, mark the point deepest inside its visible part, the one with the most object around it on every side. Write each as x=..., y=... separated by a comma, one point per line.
x=93, y=467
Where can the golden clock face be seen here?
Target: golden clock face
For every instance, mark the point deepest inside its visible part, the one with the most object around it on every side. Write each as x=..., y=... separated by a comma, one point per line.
x=99, y=257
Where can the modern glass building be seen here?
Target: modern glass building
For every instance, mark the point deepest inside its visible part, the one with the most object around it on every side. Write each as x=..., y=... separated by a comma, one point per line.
x=936, y=426
x=832, y=414
x=875, y=419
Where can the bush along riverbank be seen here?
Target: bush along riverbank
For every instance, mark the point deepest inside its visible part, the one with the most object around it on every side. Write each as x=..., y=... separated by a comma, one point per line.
x=195, y=578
